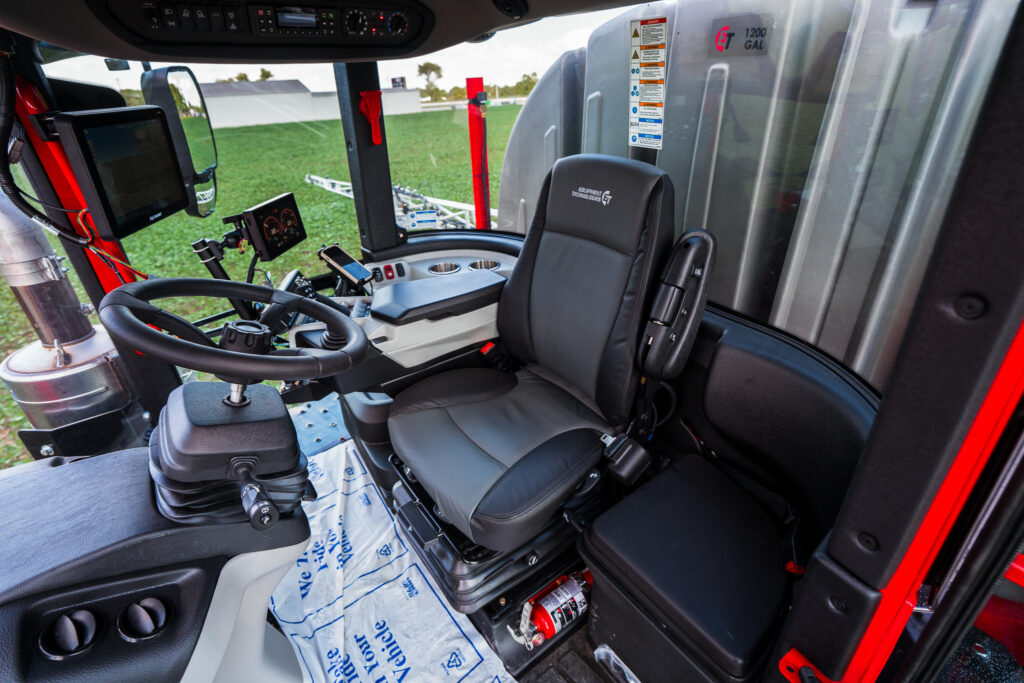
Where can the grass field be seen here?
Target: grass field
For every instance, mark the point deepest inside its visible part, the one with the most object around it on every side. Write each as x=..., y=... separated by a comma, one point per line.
x=428, y=151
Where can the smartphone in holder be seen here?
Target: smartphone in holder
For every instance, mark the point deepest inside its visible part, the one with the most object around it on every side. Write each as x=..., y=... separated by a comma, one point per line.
x=338, y=260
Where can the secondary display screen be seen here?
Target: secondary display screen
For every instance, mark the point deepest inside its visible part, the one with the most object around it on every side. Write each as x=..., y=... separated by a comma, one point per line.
x=130, y=159
x=342, y=263
x=274, y=226
x=296, y=17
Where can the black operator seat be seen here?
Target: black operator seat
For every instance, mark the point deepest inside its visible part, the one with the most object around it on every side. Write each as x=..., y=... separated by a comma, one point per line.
x=500, y=452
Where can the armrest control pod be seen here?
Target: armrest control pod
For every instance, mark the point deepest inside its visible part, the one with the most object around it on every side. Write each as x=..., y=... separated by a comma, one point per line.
x=678, y=303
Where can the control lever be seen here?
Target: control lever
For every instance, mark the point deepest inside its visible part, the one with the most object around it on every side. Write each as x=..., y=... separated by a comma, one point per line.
x=256, y=502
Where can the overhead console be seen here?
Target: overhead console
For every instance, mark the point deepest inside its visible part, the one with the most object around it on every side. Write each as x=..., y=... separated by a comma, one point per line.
x=391, y=27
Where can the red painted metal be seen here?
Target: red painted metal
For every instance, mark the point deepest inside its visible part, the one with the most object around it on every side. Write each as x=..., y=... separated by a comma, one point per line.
x=55, y=163
x=1016, y=571
x=478, y=155
x=370, y=107
x=899, y=597
x=793, y=661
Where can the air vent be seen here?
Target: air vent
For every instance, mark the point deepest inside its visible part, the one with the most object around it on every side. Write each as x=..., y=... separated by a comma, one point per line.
x=69, y=634
x=142, y=619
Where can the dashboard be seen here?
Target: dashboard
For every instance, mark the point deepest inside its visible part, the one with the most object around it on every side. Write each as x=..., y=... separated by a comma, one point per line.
x=290, y=31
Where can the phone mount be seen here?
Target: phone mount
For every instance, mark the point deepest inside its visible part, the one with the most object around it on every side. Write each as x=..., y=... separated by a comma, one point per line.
x=345, y=284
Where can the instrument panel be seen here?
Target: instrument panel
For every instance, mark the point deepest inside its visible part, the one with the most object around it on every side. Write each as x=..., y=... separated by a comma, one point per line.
x=393, y=24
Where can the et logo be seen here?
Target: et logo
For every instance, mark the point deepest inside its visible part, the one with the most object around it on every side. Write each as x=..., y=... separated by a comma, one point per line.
x=723, y=39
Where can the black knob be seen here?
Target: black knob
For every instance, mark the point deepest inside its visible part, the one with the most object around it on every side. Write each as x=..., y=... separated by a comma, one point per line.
x=398, y=23
x=247, y=336
x=355, y=22
x=151, y=18
x=142, y=619
x=68, y=634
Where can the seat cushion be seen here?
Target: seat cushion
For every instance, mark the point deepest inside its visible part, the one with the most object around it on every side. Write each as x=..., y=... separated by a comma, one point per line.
x=702, y=557
x=498, y=452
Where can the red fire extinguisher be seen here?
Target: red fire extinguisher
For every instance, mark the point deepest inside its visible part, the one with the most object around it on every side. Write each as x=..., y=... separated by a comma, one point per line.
x=563, y=601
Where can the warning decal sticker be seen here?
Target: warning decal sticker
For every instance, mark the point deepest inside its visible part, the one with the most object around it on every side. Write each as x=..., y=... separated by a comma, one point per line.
x=648, y=57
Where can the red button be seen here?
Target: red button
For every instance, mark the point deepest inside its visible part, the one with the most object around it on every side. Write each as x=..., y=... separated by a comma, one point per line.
x=389, y=271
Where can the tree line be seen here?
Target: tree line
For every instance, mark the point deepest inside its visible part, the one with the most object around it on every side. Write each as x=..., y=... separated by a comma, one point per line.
x=431, y=72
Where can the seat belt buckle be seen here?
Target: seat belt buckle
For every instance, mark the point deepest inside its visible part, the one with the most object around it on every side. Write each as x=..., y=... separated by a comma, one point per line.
x=627, y=459
x=497, y=356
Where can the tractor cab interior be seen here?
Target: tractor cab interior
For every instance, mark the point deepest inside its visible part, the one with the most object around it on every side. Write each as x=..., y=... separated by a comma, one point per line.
x=681, y=408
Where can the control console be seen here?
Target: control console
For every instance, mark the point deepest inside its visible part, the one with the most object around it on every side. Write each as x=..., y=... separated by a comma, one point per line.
x=393, y=24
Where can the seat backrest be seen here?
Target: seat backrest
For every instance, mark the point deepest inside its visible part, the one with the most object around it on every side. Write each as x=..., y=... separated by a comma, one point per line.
x=576, y=301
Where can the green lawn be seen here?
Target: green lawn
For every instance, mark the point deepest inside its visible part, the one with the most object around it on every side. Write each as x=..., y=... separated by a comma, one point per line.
x=429, y=152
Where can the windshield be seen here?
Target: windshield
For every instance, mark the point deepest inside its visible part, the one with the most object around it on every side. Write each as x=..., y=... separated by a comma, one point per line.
x=278, y=129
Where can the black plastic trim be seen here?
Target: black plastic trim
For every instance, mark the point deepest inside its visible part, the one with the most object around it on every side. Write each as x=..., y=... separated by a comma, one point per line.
x=441, y=240
x=369, y=166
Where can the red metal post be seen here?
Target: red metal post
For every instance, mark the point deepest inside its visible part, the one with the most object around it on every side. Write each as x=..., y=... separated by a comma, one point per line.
x=478, y=153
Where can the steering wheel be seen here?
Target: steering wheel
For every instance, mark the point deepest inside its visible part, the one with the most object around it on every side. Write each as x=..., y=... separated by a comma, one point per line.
x=129, y=316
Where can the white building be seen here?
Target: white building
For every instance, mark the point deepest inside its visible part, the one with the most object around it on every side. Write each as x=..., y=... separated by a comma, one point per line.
x=253, y=103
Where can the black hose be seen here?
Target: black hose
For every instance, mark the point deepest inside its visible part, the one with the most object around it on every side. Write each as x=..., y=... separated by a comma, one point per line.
x=7, y=183
x=251, y=273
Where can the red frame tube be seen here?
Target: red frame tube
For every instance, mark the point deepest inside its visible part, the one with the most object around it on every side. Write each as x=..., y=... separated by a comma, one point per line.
x=29, y=102
x=478, y=155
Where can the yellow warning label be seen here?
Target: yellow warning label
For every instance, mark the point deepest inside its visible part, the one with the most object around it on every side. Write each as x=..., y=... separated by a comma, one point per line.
x=648, y=71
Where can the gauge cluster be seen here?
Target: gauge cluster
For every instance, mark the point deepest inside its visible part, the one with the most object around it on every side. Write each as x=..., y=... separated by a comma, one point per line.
x=274, y=226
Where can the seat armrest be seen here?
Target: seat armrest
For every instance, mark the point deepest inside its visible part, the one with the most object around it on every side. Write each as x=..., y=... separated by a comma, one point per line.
x=436, y=297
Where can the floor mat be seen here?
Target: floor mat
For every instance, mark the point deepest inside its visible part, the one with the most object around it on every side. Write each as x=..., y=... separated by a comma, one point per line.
x=357, y=606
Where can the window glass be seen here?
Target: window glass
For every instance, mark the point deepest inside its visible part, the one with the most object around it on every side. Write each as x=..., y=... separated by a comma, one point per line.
x=272, y=126
x=428, y=120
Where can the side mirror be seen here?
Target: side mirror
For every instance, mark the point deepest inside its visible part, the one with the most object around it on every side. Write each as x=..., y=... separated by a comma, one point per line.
x=174, y=88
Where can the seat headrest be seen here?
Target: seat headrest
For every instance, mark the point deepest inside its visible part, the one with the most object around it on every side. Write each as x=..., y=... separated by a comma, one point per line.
x=601, y=198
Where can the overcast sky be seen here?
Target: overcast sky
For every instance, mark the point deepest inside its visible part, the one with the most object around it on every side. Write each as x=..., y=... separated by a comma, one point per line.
x=502, y=60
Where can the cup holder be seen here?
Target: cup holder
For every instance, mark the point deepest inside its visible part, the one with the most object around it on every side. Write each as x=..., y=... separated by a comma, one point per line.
x=484, y=264
x=444, y=268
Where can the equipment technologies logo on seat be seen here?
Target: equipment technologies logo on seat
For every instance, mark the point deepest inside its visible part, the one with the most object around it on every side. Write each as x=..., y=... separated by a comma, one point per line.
x=605, y=197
